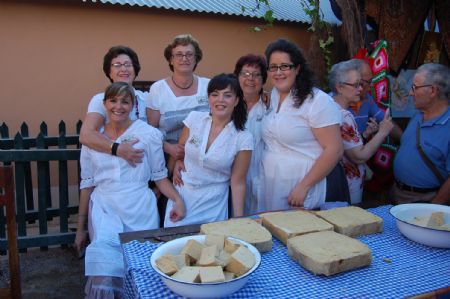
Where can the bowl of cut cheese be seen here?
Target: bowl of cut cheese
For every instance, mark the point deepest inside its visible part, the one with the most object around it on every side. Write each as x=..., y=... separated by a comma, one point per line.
x=205, y=266
x=428, y=224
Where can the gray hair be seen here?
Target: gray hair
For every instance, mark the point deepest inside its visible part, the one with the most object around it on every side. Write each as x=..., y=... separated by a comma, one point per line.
x=339, y=72
x=360, y=63
x=439, y=75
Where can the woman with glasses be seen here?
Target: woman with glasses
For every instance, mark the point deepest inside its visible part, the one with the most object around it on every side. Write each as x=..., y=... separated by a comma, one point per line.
x=218, y=151
x=251, y=70
x=172, y=98
x=301, y=133
x=120, y=64
x=346, y=85
x=120, y=200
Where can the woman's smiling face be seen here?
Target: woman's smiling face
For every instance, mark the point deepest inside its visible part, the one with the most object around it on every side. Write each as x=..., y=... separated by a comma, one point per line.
x=222, y=102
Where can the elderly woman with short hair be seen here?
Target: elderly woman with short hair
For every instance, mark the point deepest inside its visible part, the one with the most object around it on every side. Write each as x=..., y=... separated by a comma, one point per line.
x=345, y=83
x=251, y=70
x=172, y=98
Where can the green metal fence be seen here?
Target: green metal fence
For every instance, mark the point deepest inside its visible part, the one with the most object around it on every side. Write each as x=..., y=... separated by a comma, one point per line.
x=26, y=153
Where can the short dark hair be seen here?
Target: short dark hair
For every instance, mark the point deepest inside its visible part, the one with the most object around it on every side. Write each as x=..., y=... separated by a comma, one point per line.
x=253, y=60
x=304, y=81
x=222, y=81
x=118, y=89
x=115, y=51
x=184, y=40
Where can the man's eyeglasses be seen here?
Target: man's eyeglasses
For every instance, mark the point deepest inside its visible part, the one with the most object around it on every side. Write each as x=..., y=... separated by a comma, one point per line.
x=179, y=56
x=118, y=65
x=354, y=85
x=283, y=67
x=414, y=87
x=247, y=75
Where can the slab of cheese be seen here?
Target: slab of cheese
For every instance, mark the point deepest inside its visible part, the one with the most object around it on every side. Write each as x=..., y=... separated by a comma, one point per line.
x=188, y=274
x=241, y=261
x=285, y=225
x=241, y=228
x=328, y=252
x=352, y=221
x=211, y=274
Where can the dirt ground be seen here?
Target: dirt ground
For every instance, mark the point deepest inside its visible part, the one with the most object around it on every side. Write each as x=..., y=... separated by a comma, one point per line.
x=55, y=273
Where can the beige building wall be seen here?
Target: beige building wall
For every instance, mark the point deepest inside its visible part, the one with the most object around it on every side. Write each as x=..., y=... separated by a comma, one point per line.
x=52, y=51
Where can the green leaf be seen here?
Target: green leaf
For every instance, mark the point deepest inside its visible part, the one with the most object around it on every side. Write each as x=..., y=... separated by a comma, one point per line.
x=268, y=16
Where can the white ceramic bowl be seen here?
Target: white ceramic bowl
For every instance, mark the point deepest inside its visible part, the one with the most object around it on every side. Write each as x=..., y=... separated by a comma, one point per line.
x=405, y=213
x=201, y=290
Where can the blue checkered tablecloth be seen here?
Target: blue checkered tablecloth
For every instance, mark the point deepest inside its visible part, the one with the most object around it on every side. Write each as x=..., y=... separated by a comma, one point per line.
x=399, y=268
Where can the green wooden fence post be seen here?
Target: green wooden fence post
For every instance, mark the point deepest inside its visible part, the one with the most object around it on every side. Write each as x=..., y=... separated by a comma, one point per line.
x=43, y=187
x=27, y=170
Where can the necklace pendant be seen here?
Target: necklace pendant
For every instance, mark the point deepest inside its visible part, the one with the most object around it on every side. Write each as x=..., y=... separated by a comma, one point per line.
x=181, y=87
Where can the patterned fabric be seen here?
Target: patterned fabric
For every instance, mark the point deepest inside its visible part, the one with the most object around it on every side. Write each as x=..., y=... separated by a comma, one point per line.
x=380, y=68
x=442, y=9
x=399, y=268
x=354, y=172
x=381, y=162
x=399, y=21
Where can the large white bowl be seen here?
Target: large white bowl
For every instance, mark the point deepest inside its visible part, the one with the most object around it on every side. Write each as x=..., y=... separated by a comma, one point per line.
x=405, y=213
x=201, y=290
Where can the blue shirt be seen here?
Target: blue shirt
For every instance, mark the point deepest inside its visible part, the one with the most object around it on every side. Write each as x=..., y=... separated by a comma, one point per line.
x=367, y=109
x=409, y=166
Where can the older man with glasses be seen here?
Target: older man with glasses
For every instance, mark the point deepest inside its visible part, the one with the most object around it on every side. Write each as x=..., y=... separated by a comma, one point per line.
x=367, y=114
x=422, y=164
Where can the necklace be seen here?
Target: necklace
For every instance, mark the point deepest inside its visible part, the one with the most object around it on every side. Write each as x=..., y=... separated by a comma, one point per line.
x=180, y=87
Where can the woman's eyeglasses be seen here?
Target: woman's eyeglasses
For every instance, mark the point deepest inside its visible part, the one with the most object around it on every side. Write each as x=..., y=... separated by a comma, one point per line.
x=283, y=67
x=354, y=85
x=248, y=75
x=118, y=65
x=180, y=56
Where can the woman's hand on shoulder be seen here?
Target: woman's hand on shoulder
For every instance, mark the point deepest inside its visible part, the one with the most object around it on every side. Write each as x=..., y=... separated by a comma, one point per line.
x=132, y=155
x=175, y=150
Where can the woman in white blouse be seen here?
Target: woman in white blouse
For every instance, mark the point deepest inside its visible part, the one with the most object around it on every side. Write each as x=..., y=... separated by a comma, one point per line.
x=217, y=155
x=251, y=71
x=120, y=200
x=301, y=133
x=172, y=98
x=120, y=64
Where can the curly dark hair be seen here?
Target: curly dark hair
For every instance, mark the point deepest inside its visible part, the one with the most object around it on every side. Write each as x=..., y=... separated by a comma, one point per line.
x=183, y=40
x=304, y=81
x=253, y=60
x=115, y=51
x=223, y=81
